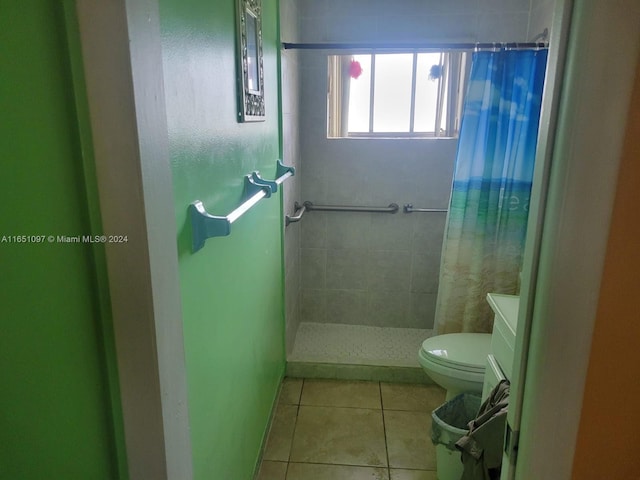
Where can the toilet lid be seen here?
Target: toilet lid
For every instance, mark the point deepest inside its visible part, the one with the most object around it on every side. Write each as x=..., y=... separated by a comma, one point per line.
x=466, y=351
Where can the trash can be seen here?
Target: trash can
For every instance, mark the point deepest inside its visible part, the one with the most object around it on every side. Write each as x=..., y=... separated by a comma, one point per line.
x=448, y=425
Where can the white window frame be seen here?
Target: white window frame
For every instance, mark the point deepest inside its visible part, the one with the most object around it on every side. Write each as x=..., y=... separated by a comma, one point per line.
x=455, y=73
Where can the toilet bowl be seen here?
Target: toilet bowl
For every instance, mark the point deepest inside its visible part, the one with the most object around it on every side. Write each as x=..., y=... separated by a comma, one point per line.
x=456, y=361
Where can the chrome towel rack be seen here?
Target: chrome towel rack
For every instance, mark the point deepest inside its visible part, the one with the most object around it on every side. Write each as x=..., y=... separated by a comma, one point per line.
x=408, y=208
x=391, y=208
x=205, y=225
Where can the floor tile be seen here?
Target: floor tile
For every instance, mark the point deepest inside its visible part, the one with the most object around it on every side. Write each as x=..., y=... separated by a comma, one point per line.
x=281, y=433
x=347, y=436
x=419, y=398
x=290, y=391
x=314, y=471
x=337, y=393
x=400, y=474
x=272, y=470
x=408, y=440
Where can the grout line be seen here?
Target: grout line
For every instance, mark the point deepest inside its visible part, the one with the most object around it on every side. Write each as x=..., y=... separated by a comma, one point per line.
x=355, y=465
x=382, y=410
x=384, y=431
x=301, y=388
x=342, y=406
x=295, y=425
x=413, y=469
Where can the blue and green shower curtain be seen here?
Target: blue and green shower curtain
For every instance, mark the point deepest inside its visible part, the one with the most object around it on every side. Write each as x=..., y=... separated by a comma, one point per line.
x=486, y=226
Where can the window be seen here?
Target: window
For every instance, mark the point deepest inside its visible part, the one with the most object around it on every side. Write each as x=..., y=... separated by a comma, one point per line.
x=411, y=94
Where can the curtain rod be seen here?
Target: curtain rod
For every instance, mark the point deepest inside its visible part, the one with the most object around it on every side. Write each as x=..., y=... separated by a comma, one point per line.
x=414, y=46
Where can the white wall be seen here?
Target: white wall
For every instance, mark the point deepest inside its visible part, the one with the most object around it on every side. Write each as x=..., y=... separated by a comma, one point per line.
x=408, y=20
x=136, y=198
x=592, y=114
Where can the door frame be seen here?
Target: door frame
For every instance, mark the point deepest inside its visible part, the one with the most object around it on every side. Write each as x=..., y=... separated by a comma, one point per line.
x=564, y=263
x=122, y=57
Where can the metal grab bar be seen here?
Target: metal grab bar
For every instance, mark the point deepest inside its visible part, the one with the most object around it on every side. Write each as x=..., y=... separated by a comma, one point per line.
x=408, y=208
x=205, y=225
x=392, y=208
x=297, y=216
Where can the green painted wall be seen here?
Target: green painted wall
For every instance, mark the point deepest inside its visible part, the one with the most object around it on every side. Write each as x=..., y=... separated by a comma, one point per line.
x=56, y=419
x=232, y=288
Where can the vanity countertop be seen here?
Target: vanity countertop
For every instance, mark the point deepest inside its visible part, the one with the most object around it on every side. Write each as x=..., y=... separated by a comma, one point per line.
x=505, y=307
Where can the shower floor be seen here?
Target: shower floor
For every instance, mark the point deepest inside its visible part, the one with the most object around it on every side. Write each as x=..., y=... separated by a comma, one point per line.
x=358, y=345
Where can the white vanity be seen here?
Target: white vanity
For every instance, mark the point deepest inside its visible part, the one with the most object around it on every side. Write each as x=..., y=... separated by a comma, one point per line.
x=500, y=360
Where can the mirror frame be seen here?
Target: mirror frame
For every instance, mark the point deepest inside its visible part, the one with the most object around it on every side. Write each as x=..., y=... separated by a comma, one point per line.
x=251, y=106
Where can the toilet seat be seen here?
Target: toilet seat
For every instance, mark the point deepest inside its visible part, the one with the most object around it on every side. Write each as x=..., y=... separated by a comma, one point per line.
x=463, y=352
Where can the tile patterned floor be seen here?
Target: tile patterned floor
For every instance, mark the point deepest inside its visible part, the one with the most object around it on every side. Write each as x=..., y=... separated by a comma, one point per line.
x=358, y=344
x=351, y=430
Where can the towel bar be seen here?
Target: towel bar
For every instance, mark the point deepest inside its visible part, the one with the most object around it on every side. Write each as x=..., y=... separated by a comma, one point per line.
x=205, y=225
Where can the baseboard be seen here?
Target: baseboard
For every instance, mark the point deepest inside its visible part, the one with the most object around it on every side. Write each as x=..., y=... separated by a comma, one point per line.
x=374, y=373
x=265, y=437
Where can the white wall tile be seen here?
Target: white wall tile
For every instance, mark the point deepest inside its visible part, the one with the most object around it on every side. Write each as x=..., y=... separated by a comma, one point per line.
x=504, y=6
x=313, y=264
x=540, y=18
x=503, y=27
x=386, y=309
x=347, y=269
x=348, y=230
x=390, y=231
x=313, y=230
x=347, y=306
x=425, y=272
x=313, y=305
x=422, y=310
x=388, y=271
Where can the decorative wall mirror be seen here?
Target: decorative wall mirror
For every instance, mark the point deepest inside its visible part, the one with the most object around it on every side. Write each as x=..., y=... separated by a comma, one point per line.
x=250, y=70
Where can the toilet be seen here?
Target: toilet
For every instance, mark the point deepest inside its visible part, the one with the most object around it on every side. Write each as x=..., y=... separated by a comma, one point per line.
x=456, y=361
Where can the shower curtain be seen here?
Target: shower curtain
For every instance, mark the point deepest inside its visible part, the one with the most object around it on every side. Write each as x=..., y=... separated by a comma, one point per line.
x=487, y=221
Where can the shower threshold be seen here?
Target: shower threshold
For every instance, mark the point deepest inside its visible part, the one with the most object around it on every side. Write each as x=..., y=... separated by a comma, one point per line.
x=357, y=352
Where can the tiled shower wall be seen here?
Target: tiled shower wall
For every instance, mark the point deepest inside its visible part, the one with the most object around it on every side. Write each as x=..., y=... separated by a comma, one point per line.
x=373, y=268
x=381, y=269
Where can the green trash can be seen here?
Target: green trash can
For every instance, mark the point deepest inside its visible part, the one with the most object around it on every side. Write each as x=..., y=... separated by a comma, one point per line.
x=448, y=424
